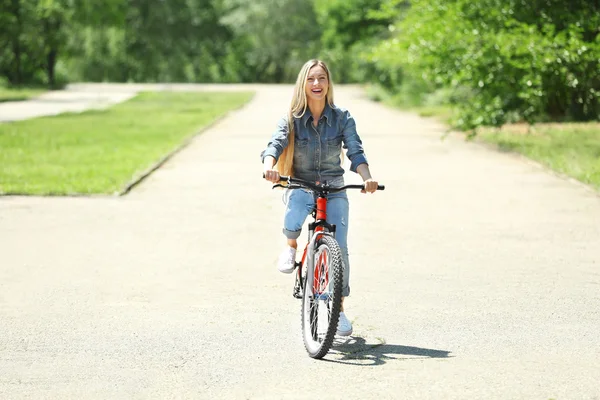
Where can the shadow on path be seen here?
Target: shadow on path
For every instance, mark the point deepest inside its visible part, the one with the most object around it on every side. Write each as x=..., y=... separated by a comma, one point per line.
x=356, y=351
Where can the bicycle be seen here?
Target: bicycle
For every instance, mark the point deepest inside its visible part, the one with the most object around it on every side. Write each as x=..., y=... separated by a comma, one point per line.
x=319, y=274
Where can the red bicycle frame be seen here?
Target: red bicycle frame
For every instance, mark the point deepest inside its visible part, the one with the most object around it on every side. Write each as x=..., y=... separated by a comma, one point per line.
x=320, y=280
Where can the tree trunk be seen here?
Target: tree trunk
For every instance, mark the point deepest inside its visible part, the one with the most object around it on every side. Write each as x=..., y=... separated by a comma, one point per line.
x=279, y=72
x=17, y=74
x=52, y=36
x=51, y=66
x=16, y=77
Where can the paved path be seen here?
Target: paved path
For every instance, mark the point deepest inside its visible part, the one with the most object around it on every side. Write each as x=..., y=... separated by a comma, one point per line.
x=57, y=102
x=79, y=97
x=475, y=275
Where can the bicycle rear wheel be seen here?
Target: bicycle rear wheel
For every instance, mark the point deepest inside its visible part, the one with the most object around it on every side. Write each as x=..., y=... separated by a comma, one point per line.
x=322, y=300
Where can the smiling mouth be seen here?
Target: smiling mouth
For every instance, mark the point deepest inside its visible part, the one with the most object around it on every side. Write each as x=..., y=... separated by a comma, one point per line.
x=317, y=90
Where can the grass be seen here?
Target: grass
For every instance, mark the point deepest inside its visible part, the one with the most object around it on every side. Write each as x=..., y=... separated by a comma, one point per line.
x=98, y=152
x=572, y=149
x=18, y=94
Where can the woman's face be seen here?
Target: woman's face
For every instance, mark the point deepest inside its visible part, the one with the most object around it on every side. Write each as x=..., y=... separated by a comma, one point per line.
x=317, y=83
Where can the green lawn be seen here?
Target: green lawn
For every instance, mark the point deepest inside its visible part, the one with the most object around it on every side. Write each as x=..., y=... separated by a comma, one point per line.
x=17, y=94
x=99, y=152
x=571, y=149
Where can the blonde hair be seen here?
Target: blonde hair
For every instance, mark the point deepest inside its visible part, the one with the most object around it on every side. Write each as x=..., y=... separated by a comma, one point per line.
x=285, y=165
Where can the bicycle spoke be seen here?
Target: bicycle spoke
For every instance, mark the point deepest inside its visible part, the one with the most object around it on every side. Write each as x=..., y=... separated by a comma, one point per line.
x=314, y=320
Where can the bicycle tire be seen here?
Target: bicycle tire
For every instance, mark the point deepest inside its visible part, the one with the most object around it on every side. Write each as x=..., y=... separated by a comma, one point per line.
x=318, y=344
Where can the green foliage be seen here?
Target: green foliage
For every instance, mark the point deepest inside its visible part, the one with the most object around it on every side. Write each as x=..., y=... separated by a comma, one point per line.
x=168, y=41
x=174, y=41
x=495, y=61
x=34, y=33
x=517, y=60
x=351, y=28
x=275, y=37
x=20, y=43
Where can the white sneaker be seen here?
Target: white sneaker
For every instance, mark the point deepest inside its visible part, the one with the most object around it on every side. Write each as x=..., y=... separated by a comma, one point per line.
x=287, y=260
x=344, y=327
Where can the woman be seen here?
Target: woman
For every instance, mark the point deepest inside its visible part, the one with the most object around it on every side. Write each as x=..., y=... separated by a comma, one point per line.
x=308, y=145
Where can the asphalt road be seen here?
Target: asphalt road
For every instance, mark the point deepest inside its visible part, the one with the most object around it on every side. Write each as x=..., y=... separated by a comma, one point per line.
x=475, y=275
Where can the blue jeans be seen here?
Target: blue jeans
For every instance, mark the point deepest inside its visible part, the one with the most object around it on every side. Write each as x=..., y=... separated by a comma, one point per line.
x=300, y=204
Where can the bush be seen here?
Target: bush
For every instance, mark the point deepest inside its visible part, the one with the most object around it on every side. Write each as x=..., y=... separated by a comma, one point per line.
x=507, y=60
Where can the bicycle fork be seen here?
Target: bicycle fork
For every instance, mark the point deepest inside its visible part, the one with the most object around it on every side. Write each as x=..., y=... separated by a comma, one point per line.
x=308, y=262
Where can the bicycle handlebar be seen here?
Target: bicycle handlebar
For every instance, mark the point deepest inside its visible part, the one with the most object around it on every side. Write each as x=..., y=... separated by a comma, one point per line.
x=297, y=183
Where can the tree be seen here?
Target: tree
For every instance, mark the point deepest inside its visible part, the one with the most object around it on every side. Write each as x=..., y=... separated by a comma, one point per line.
x=512, y=59
x=34, y=33
x=279, y=36
x=350, y=27
x=19, y=41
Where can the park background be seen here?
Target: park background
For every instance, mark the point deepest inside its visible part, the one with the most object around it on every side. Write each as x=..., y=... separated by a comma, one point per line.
x=521, y=75
x=474, y=274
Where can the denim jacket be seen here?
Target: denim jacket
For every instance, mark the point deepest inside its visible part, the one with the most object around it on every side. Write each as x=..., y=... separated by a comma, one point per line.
x=317, y=150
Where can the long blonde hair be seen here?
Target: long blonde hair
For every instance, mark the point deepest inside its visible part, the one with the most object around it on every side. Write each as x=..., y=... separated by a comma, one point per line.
x=298, y=106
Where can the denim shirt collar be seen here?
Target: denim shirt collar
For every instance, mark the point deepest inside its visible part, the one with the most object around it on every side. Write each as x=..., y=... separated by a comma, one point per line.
x=327, y=113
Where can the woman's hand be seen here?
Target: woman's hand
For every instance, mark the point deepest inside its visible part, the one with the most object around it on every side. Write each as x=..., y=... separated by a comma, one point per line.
x=365, y=174
x=370, y=186
x=272, y=175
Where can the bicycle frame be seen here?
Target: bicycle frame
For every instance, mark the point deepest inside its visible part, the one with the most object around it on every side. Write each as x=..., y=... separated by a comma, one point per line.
x=316, y=229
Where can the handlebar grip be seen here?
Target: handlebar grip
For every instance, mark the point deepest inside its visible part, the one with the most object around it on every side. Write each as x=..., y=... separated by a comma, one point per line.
x=380, y=187
x=281, y=178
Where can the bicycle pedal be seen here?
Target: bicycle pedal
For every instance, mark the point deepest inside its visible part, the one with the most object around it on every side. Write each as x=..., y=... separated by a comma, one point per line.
x=297, y=292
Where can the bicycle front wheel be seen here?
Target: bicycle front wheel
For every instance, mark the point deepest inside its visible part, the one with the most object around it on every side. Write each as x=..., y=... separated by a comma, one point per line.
x=322, y=299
